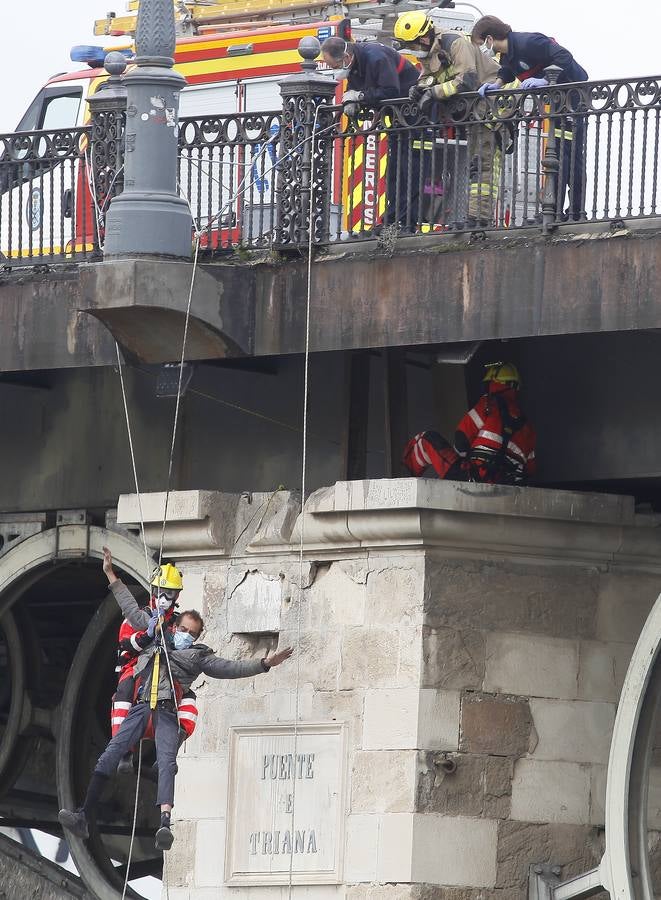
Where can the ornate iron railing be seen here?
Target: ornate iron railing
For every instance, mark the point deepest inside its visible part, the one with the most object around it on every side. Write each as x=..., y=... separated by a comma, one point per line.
x=561, y=155
x=227, y=171
x=46, y=210
x=566, y=154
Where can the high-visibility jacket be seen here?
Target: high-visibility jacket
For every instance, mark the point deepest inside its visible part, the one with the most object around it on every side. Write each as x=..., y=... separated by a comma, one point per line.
x=455, y=65
x=130, y=644
x=496, y=438
x=124, y=699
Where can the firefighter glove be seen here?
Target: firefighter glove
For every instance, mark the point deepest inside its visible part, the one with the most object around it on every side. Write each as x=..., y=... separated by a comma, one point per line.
x=487, y=88
x=425, y=100
x=352, y=97
x=529, y=83
x=415, y=92
x=153, y=622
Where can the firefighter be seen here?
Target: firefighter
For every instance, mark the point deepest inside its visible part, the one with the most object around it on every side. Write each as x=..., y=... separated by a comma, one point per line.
x=376, y=74
x=494, y=442
x=166, y=584
x=452, y=64
x=526, y=55
x=158, y=689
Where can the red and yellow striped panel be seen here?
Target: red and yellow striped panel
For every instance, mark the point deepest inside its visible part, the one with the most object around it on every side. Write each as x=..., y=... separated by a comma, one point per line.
x=274, y=52
x=364, y=187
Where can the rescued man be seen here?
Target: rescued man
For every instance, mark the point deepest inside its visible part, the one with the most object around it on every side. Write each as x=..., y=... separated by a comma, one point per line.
x=156, y=700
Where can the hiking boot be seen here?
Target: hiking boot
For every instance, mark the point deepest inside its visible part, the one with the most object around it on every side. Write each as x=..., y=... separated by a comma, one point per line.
x=75, y=822
x=164, y=838
x=125, y=766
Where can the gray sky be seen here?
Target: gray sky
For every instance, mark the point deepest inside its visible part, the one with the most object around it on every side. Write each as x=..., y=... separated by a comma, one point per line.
x=609, y=38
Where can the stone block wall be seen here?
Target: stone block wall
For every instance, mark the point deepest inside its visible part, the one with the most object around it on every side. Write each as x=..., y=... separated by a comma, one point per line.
x=477, y=672
x=538, y=654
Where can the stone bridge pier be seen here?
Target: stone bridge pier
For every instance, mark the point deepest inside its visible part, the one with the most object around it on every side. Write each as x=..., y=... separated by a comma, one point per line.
x=445, y=722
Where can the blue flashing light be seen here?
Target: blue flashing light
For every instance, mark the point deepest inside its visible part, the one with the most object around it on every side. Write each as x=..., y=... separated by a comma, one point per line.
x=94, y=56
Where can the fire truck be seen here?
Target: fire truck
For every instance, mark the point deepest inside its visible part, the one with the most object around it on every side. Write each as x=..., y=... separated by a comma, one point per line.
x=233, y=56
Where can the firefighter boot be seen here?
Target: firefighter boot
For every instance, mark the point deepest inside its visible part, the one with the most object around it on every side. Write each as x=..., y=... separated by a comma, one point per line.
x=75, y=822
x=164, y=836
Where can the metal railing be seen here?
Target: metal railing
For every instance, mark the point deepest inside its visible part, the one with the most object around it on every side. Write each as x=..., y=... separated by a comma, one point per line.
x=227, y=171
x=46, y=208
x=556, y=156
x=566, y=154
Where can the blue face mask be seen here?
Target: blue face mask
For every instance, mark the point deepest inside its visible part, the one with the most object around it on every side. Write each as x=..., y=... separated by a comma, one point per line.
x=183, y=640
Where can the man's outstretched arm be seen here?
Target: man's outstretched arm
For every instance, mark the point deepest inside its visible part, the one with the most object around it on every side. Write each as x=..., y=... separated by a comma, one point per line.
x=136, y=617
x=216, y=667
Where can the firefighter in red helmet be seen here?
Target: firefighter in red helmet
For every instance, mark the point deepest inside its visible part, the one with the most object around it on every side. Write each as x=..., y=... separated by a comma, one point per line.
x=494, y=443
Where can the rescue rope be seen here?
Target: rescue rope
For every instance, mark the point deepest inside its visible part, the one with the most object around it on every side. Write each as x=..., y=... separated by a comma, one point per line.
x=171, y=459
x=135, y=820
x=133, y=464
x=304, y=450
x=178, y=403
x=160, y=555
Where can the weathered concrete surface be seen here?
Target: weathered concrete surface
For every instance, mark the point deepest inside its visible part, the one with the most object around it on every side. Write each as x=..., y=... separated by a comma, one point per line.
x=428, y=292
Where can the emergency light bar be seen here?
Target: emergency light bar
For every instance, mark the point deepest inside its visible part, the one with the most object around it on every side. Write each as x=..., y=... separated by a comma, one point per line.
x=95, y=56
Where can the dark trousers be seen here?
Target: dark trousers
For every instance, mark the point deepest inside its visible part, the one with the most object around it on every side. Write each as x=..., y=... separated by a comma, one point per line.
x=403, y=179
x=571, y=134
x=166, y=731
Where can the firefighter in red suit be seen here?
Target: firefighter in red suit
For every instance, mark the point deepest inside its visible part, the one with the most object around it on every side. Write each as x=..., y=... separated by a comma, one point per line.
x=167, y=584
x=494, y=442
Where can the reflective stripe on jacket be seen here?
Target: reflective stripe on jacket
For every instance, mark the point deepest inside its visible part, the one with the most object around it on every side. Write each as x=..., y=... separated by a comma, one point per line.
x=482, y=426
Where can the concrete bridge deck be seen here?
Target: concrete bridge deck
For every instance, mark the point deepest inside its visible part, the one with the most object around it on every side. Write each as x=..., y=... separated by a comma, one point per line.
x=421, y=291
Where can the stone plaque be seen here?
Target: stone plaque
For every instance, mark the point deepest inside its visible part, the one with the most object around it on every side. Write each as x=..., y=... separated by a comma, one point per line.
x=286, y=804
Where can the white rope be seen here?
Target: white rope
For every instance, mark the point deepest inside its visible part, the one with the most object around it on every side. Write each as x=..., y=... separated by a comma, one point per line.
x=135, y=819
x=167, y=495
x=306, y=372
x=148, y=568
x=176, y=408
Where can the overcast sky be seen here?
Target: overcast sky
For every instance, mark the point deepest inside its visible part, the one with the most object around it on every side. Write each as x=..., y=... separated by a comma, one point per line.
x=609, y=38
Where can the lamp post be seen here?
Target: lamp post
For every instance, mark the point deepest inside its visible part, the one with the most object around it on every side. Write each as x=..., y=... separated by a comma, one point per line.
x=149, y=218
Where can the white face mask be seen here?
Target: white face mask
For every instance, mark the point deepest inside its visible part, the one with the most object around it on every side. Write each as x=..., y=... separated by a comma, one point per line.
x=486, y=48
x=341, y=74
x=418, y=54
x=183, y=640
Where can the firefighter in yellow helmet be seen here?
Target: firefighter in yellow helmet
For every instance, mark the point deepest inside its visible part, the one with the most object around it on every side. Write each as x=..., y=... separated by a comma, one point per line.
x=451, y=64
x=494, y=442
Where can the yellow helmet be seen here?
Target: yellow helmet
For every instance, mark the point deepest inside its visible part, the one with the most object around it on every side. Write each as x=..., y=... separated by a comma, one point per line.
x=167, y=577
x=412, y=25
x=503, y=373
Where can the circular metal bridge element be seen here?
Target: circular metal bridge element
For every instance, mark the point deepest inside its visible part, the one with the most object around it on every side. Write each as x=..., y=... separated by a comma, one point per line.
x=629, y=869
x=58, y=637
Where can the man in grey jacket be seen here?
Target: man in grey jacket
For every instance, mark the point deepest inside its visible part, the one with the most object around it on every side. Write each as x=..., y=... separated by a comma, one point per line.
x=163, y=671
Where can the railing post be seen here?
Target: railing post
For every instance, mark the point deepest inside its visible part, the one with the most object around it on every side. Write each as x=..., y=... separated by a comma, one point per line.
x=150, y=218
x=304, y=168
x=108, y=113
x=551, y=160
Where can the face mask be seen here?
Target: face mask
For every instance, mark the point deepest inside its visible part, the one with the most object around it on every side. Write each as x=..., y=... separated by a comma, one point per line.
x=486, y=49
x=341, y=74
x=163, y=603
x=418, y=54
x=183, y=640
